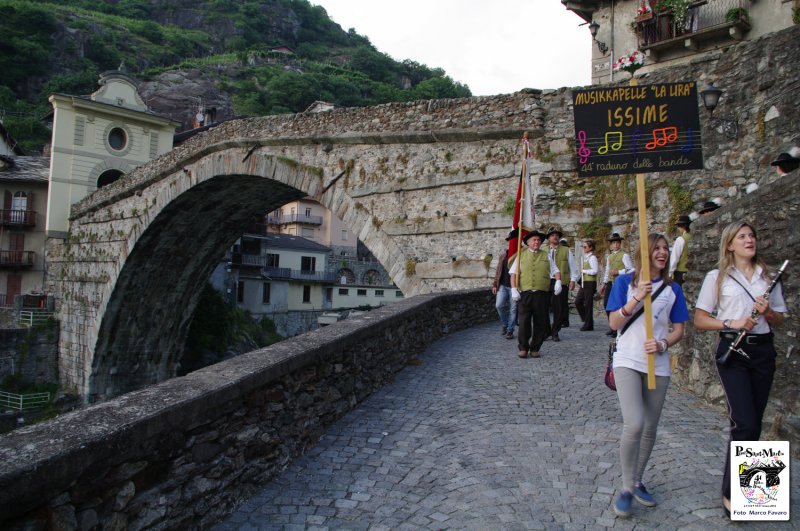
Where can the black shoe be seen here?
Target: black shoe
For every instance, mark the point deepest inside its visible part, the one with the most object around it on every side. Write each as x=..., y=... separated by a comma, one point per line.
x=556, y=338
x=587, y=329
x=565, y=325
x=510, y=335
x=611, y=333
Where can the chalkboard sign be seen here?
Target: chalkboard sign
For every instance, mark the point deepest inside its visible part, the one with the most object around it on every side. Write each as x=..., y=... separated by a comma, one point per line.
x=637, y=129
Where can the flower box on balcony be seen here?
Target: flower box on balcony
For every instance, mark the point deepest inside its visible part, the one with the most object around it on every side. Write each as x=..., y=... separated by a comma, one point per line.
x=644, y=17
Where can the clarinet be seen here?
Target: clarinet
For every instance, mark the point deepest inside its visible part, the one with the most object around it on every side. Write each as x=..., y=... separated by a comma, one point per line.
x=734, y=347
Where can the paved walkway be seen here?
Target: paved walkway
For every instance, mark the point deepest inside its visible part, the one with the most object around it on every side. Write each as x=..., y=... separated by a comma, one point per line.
x=475, y=438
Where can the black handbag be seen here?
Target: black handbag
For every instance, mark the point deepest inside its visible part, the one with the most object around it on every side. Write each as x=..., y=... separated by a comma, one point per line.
x=608, y=377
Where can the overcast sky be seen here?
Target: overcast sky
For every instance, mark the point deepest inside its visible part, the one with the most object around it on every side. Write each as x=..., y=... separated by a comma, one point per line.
x=493, y=46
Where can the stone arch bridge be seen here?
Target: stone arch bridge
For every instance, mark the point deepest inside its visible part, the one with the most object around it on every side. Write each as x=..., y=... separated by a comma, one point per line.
x=425, y=185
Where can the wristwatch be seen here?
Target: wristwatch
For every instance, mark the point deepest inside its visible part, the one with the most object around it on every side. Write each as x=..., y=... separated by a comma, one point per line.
x=726, y=324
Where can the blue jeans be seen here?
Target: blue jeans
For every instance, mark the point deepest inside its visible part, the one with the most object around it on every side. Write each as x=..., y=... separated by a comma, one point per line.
x=506, y=307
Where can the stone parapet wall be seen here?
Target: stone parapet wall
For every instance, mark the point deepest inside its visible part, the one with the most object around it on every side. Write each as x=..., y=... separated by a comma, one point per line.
x=184, y=452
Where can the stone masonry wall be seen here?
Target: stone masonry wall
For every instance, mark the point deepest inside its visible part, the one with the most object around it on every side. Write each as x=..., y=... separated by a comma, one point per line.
x=31, y=353
x=182, y=453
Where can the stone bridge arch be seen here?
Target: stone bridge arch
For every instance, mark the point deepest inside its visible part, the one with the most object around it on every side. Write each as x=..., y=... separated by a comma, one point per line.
x=427, y=204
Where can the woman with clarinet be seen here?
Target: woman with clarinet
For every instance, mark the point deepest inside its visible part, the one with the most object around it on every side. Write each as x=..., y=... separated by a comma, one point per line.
x=738, y=299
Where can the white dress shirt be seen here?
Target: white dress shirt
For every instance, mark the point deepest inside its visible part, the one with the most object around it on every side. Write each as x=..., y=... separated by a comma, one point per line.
x=735, y=302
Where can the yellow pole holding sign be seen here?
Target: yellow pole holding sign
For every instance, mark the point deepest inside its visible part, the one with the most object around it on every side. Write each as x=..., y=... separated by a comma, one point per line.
x=644, y=274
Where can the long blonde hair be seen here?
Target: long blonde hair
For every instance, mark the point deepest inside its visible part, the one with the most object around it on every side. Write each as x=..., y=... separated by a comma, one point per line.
x=725, y=263
x=652, y=238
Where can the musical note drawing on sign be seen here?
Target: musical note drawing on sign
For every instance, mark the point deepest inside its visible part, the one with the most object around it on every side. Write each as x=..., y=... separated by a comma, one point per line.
x=689, y=144
x=668, y=135
x=583, y=151
x=637, y=135
x=615, y=146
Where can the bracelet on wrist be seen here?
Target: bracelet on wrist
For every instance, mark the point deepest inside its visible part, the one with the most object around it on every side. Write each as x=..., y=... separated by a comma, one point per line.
x=664, y=345
x=634, y=298
x=624, y=313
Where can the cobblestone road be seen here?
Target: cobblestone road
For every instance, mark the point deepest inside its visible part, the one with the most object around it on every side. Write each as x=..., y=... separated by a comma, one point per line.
x=475, y=438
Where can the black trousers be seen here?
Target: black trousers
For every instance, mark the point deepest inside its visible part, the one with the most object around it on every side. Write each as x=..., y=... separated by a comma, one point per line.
x=584, y=302
x=559, y=304
x=607, y=294
x=678, y=277
x=533, y=313
x=747, y=383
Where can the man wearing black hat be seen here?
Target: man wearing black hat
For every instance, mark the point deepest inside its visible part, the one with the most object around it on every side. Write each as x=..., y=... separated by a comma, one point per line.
x=618, y=262
x=501, y=288
x=679, y=257
x=559, y=303
x=787, y=162
x=709, y=207
x=530, y=281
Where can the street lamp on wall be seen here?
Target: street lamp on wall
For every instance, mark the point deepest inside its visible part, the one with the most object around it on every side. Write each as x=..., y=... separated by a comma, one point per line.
x=593, y=27
x=710, y=96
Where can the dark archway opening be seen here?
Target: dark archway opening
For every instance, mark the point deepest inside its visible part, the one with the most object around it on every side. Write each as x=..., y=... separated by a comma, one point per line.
x=108, y=177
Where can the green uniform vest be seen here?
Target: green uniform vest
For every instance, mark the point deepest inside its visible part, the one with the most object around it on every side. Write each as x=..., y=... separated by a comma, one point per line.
x=561, y=258
x=615, y=262
x=588, y=278
x=684, y=259
x=535, y=271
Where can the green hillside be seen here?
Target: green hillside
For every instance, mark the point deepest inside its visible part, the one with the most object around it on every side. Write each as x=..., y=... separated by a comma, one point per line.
x=48, y=47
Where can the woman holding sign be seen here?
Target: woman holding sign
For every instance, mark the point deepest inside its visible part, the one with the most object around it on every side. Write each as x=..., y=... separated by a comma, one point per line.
x=735, y=294
x=641, y=408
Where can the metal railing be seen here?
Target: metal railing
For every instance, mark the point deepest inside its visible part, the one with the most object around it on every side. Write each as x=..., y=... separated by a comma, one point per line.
x=19, y=218
x=703, y=17
x=285, y=273
x=20, y=402
x=17, y=258
x=294, y=218
x=34, y=317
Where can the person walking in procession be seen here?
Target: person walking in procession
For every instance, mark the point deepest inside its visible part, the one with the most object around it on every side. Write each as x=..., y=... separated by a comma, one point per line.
x=641, y=407
x=559, y=303
x=726, y=302
x=574, y=278
x=501, y=289
x=679, y=259
x=786, y=163
x=584, y=300
x=530, y=285
x=618, y=262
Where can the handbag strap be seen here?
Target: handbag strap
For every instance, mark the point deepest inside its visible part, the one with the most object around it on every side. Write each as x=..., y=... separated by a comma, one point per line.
x=744, y=288
x=748, y=294
x=640, y=311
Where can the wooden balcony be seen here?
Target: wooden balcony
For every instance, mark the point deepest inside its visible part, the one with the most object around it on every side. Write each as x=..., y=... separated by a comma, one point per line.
x=16, y=259
x=18, y=218
x=705, y=21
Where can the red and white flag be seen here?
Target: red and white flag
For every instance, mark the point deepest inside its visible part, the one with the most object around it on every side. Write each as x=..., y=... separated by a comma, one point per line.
x=524, y=212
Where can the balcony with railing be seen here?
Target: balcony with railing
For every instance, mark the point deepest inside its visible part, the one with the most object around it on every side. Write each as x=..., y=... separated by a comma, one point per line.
x=18, y=218
x=284, y=273
x=294, y=218
x=17, y=258
x=705, y=20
